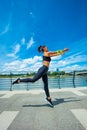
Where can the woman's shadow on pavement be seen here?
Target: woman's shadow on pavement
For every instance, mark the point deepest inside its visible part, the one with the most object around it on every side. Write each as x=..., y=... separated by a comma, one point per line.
x=55, y=102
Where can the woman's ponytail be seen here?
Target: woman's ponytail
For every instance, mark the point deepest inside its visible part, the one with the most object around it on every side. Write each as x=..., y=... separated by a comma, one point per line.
x=40, y=48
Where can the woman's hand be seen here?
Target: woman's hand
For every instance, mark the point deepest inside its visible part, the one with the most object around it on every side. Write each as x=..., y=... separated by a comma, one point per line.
x=66, y=49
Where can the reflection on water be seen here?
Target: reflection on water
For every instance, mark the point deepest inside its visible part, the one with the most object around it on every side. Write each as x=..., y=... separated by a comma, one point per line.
x=62, y=82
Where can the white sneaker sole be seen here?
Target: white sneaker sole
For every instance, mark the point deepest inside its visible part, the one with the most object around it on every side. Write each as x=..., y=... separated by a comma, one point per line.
x=49, y=103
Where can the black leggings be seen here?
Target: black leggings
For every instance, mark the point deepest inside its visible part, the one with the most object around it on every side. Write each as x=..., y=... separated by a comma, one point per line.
x=42, y=72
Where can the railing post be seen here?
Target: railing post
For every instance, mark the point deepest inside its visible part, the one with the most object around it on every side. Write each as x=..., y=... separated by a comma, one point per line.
x=11, y=81
x=59, y=81
x=74, y=79
x=27, y=87
x=58, y=77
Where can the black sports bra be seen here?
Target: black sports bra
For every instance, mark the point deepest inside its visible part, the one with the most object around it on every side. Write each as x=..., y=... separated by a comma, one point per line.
x=45, y=58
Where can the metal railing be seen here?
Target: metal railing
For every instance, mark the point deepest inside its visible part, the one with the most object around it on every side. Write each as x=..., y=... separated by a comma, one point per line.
x=58, y=81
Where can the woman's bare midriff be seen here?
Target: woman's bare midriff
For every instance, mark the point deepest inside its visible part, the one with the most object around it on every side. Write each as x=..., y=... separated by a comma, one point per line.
x=46, y=63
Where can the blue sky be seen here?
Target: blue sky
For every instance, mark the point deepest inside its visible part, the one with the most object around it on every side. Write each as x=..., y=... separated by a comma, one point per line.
x=26, y=24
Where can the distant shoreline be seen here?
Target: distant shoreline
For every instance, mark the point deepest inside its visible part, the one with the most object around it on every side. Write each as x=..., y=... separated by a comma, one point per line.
x=49, y=76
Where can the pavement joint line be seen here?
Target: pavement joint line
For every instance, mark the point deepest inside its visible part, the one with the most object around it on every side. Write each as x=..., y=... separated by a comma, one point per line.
x=77, y=92
x=5, y=121
x=80, y=114
x=8, y=94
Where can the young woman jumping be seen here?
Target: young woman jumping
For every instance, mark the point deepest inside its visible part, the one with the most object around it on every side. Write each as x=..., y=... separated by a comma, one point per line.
x=42, y=72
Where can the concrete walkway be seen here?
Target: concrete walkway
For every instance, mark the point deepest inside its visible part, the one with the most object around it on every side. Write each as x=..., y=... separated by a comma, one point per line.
x=28, y=110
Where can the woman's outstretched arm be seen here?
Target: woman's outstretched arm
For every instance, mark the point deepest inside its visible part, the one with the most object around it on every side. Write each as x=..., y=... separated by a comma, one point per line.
x=58, y=52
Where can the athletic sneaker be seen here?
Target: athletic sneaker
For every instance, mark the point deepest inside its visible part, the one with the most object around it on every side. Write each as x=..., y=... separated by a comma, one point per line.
x=16, y=81
x=50, y=102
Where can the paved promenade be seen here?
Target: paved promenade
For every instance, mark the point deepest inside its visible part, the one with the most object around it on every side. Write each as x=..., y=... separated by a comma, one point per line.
x=28, y=110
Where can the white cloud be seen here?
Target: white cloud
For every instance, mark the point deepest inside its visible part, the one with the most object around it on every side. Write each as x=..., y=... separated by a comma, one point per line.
x=14, y=63
x=11, y=55
x=32, y=15
x=30, y=43
x=70, y=60
x=6, y=29
x=73, y=67
x=74, y=59
x=32, y=60
x=56, y=57
x=15, y=51
x=7, y=26
x=30, y=64
x=23, y=40
x=35, y=66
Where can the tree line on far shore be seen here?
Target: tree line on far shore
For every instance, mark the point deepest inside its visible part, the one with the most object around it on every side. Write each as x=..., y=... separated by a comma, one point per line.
x=54, y=73
x=27, y=74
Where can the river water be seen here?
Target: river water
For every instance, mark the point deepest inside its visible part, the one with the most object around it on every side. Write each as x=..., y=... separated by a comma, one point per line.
x=62, y=82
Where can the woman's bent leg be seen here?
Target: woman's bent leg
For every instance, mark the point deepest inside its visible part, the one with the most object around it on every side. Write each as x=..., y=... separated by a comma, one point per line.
x=37, y=76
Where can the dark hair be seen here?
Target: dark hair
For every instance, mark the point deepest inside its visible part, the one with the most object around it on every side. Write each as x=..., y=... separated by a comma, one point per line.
x=40, y=48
